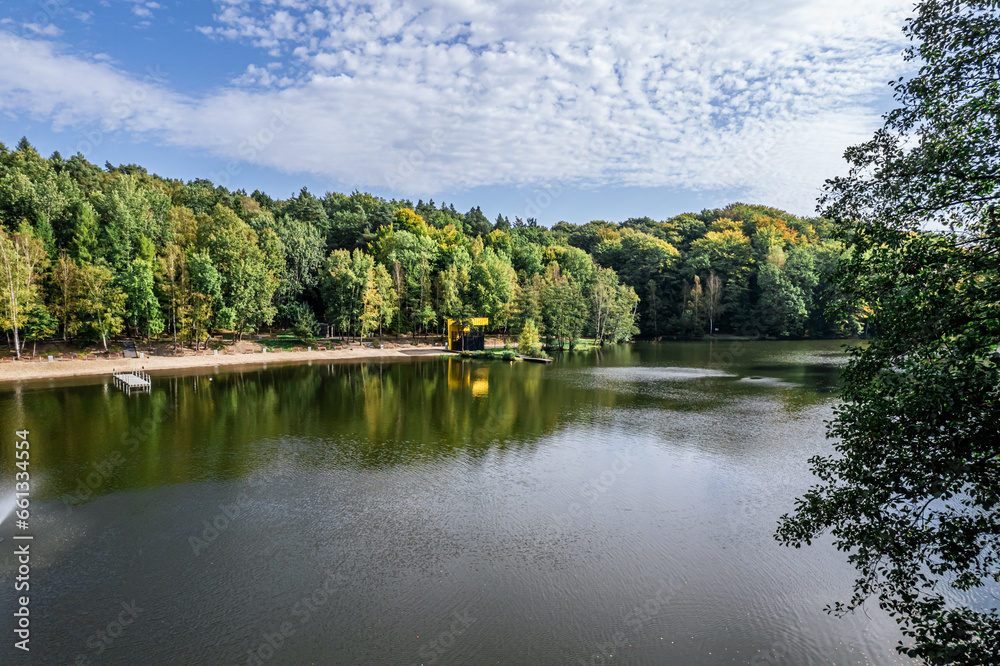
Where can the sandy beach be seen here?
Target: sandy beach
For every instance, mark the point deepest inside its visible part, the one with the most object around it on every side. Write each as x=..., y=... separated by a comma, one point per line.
x=18, y=371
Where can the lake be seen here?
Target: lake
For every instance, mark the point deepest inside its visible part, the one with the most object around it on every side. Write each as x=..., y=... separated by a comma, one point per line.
x=617, y=506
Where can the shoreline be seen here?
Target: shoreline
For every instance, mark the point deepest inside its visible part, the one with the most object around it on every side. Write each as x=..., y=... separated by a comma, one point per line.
x=20, y=371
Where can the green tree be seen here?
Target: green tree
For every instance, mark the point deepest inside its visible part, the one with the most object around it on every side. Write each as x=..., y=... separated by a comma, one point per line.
x=730, y=255
x=302, y=247
x=451, y=283
x=526, y=304
x=416, y=254
x=526, y=256
x=781, y=310
x=713, y=300
x=387, y=297
x=65, y=274
x=563, y=307
x=248, y=264
x=309, y=211
x=573, y=262
x=338, y=285
x=622, y=323
x=477, y=224
x=911, y=493
x=492, y=283
x=653, y=304
x=102, y=302
x=305, y=326
x=142, y=308
x=603, y=300
x=638, y=258
x=39, y=326
x=203, y=303
x=343, y=285
x=350, y=228
x=36, y=202
x=613, y=307
x=130, y=211
x=171, y=269
x=527, y=342
x=371, y=306
x=22, y=259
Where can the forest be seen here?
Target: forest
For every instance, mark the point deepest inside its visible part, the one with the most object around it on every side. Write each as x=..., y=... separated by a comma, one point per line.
x=88, y=254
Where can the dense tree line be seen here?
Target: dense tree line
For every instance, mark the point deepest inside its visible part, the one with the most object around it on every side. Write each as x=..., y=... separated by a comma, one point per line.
x=91, y=253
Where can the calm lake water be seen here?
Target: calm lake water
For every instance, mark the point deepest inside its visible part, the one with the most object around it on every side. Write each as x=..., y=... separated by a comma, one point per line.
x=614, y=507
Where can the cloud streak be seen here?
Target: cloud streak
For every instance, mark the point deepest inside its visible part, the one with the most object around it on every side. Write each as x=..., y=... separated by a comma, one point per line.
x=759, y=97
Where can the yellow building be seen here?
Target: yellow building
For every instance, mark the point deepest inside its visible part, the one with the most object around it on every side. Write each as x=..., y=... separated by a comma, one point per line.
x=457, y=333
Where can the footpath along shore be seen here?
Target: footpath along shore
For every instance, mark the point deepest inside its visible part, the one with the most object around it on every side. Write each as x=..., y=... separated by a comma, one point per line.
x=28, y=370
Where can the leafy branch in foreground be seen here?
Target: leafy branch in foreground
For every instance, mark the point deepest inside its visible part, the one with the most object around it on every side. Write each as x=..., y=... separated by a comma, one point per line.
x=913, y=491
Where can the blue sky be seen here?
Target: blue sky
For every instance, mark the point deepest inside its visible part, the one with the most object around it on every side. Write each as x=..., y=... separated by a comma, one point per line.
x=564, y=110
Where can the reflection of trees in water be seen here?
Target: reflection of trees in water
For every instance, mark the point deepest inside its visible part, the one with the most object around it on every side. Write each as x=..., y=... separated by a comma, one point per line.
x=232, y=425
x=238, y=424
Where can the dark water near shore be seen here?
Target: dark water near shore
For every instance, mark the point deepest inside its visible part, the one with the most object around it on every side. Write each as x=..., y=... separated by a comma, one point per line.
x=614, y=507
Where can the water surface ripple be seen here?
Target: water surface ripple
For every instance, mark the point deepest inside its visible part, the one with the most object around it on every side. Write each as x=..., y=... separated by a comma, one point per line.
x=615, y=507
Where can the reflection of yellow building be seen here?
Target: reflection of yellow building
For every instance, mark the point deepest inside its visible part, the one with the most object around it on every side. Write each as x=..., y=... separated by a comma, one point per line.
x=456, y=374
x=465, y=376
x=480, y=382
x=455, y=331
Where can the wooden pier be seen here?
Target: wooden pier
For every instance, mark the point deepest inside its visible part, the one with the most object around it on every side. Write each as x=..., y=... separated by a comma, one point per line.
x=134, y=380
x=535, y=359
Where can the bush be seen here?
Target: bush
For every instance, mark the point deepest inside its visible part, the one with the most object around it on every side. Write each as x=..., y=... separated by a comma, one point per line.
x=527, y=342
x=306, y=326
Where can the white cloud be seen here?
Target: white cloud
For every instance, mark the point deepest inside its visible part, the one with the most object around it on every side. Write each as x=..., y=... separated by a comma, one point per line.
x=263, y=76
x=47, y=30
x=434, y=96
x=144, y=10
